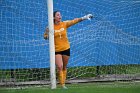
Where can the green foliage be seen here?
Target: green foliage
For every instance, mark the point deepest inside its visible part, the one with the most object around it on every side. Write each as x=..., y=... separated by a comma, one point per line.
x=74, y=72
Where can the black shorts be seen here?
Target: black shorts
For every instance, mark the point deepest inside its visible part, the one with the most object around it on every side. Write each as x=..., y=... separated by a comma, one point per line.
x=65, y=52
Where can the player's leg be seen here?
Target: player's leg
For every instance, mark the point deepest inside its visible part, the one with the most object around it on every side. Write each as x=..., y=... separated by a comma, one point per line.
x=65, y=62
x=59, y=64
x=65, y=57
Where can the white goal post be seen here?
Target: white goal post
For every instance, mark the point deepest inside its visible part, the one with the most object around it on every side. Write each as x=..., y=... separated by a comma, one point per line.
x=51, y=44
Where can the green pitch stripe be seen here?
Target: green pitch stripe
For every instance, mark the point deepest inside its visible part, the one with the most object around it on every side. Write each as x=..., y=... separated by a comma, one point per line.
x=82, y=88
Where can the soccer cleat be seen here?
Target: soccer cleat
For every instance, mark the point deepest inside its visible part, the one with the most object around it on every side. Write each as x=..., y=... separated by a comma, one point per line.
x=64, y=87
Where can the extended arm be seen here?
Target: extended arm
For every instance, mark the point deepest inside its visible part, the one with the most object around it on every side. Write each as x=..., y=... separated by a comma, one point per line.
x=77, y=20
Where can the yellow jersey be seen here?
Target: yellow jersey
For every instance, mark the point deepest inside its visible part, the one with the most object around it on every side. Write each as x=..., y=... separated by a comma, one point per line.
x=60, y=35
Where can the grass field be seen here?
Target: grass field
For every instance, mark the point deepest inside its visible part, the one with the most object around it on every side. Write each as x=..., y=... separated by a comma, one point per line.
x=115, y=87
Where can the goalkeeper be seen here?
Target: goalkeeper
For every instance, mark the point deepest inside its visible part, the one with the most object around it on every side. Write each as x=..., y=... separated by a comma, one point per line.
x=62, y=45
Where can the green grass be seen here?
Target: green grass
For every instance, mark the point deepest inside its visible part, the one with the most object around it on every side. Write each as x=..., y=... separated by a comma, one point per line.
x=116, y=87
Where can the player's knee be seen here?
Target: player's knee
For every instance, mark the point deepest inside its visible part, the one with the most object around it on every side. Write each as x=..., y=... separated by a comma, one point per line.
x=60, y=67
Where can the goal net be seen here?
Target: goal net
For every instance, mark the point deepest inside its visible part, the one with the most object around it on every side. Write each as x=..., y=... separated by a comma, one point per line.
x=104, y=48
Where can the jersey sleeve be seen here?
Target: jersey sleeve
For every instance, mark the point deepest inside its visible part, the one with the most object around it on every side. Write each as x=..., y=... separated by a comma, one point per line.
x=71, y=22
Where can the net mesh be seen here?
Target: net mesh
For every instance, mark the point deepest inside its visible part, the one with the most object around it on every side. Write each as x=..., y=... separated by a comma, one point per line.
x=106, y=45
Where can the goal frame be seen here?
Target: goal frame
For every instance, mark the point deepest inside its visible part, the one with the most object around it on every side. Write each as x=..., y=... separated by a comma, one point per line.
x=51, y=44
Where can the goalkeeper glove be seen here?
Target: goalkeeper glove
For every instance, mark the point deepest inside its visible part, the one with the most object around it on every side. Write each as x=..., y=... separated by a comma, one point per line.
x=88, y=16
x=46, y=34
